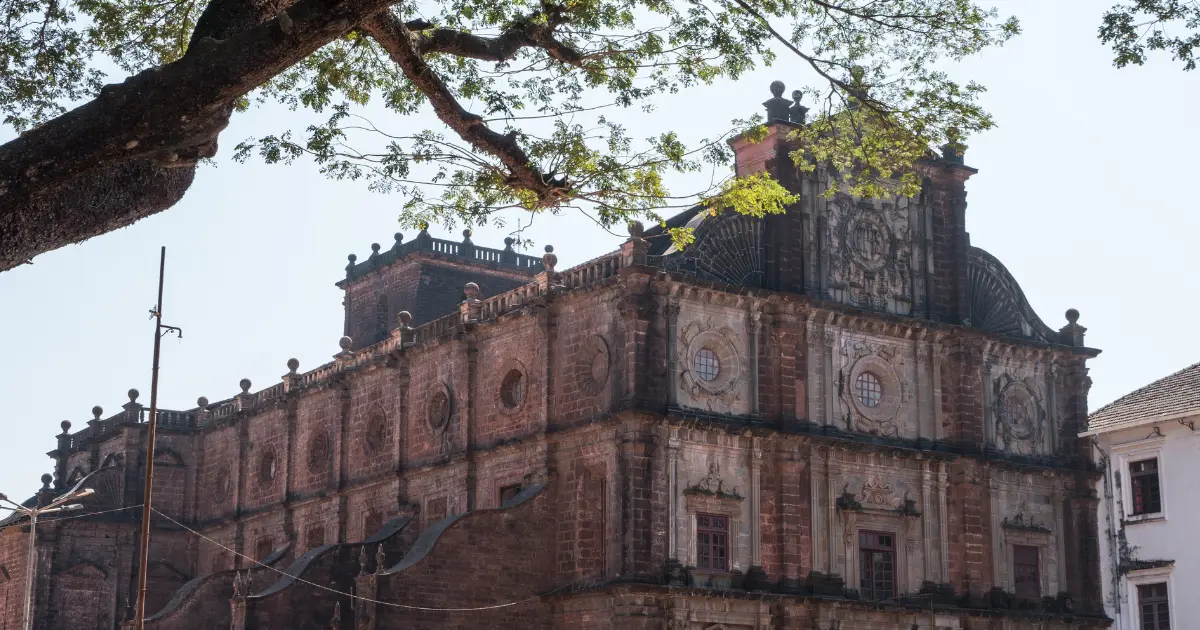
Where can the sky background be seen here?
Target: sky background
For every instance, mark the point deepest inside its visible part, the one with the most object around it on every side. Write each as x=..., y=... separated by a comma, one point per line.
x=1083, y=192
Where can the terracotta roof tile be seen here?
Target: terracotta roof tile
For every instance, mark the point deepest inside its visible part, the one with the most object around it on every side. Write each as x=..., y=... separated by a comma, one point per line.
x=1176, y=394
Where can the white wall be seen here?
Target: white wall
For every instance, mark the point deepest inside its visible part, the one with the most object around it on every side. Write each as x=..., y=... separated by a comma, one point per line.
x=1169, y=535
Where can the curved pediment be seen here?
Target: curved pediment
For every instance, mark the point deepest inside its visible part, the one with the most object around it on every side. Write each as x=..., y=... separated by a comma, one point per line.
x=997, y=303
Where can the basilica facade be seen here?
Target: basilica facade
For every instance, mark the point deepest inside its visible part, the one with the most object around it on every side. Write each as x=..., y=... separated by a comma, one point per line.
x=842, y=417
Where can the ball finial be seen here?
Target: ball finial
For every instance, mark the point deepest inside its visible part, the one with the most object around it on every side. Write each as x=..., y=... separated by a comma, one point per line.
x=1072, y=316
x=202, y=402
x=797, y=95
x=245, y=385
x=777, y=88
x=293, y=365
x=636, y=229
x=96, y=411
x=405, y=318
x=508, y=241
x=374, y=248
x=467, y=233
x=352, y=258
x=46, y=479
x=471, y=290
x=133, y=394
x=66, y=426
x=399, y=237
x=345, y=342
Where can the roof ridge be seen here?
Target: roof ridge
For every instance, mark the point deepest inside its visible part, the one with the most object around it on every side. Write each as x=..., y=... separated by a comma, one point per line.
x=1143, y=388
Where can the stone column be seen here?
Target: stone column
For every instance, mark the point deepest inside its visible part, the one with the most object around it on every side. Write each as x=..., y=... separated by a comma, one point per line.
x=756, y=578
x=672, y=313
x=755, y=330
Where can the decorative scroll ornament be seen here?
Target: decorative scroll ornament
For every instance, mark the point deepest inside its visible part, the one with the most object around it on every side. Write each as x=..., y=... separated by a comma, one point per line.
x=1020, y=416
x=592, y=366
x=712, y=484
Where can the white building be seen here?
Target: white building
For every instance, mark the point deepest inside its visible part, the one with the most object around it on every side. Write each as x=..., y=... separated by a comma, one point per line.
x=1146, y=444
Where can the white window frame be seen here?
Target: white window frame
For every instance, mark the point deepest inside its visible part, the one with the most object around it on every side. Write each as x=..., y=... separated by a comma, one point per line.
x=1127, y=454
x=1142, y=577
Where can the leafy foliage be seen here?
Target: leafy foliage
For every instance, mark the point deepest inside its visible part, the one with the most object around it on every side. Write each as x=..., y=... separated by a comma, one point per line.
x=532, y=92
x=1147, y=25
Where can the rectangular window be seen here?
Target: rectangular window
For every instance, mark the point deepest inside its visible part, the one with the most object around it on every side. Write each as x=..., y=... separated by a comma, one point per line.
x=712, y=542
x=1143, y=480
x=437, y=510
x=508, y=492
x=877, y=565
x=262, y=549
x=1152, y=602
x=1027, y=573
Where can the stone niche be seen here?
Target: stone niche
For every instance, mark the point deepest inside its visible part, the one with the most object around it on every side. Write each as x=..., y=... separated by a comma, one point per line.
x=872, y=260
x=1019, y=407
x=712, y=369
x=876, y=384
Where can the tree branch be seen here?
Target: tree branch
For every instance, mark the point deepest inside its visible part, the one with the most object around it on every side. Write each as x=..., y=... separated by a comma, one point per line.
x=401, y=44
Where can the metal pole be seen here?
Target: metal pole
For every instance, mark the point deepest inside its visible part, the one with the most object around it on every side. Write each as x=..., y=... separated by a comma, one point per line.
x=143, y=555
x=30, y=570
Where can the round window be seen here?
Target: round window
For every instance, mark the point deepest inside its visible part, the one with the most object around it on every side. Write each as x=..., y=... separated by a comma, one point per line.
x=868, y=389
x=512, y=389
x=707, y=365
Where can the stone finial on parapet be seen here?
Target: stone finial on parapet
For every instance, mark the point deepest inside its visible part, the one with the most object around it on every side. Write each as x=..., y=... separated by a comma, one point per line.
x=133, y=409
x=637, y=248
x=466, y=249
x=291, y=380
x=399, y=243
x=470, y=308
x=404, y=331
x=380, y=560
x=954, y=150
x=1072, y=333
x=424, y=240
x=797, y=113
x=777, y=106
x=201, y=410
x=97, y=411
x=374, y=257
x=345, y=343
x=509, y=255
x=362, y=560
x=336, y=622
x=245, y=400
x=550, y=279
x=350, y=266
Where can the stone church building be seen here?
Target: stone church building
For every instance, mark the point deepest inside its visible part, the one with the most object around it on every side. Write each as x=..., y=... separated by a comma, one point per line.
x=844, y=417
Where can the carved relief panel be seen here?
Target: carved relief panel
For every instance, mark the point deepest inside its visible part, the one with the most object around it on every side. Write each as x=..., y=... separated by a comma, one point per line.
x=874, y=388
x=1027, y=521
x=1019, y=405
x=712, y=521
x=712, y=369
x=873, y=263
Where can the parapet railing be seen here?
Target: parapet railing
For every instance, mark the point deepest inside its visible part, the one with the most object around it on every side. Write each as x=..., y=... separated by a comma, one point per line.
x=506, y=257
x=471, y=311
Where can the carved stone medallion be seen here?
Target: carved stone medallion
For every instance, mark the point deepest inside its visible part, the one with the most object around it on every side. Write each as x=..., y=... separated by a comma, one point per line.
x=592, y=365
x=440, y=408
x=871, y=391
x=871, y=254
x=220, y=486
x=1019, y=416
x=709, y=363
x=377, y=431
x=318, y=452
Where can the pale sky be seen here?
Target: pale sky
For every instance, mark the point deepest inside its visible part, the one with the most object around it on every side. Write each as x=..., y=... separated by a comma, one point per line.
x=1083, y=192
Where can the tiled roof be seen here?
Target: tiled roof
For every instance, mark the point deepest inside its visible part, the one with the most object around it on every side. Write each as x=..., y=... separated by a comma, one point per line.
x=1176, y=394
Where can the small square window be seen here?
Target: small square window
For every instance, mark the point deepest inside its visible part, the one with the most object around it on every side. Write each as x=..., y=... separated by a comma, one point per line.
x=1027, y=572
x=712, y=542
x=1153, y=606
x=1144, y=486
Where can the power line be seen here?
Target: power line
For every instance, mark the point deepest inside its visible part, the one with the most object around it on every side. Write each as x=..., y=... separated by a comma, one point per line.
x=352, y=596
x=67, y=518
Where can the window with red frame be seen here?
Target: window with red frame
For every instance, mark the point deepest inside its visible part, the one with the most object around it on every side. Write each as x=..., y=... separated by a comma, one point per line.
x=712, y=542
x=877, y=565
x=1143, y=479
x=1027, y=573
x=1152, y=601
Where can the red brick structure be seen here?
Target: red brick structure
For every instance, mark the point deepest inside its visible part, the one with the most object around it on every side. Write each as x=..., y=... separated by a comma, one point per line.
x=842, y=417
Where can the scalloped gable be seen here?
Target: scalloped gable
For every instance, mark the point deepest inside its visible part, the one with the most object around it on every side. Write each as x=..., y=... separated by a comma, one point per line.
x=997, y=302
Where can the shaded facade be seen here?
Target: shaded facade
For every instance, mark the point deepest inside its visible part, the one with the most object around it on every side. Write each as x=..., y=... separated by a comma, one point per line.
x=845, y=416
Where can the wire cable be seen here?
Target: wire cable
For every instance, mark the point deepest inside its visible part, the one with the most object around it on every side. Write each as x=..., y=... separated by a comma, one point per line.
x=352, y=596
x=42, y=521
